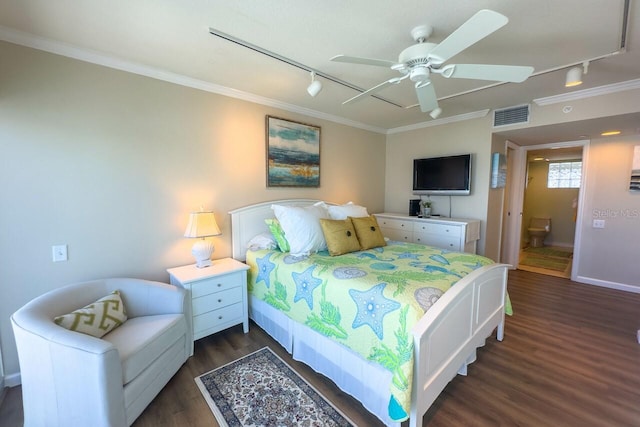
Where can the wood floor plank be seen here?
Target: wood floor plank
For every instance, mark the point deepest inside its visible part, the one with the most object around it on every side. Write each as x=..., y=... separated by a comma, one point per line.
x=569, y=358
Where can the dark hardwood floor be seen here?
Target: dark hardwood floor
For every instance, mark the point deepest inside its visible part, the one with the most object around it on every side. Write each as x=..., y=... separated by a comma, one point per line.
x=569, y=358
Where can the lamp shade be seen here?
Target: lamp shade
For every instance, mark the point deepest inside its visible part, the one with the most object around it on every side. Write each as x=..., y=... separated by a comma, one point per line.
x=202, y=224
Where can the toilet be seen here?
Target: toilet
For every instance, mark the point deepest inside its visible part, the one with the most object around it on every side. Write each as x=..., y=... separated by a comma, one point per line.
x=538, y=230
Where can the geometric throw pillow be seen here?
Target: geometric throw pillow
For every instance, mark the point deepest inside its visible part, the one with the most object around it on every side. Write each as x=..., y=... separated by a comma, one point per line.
x=368, y=232
x=96, y=319
x=340, y=236
x=278, y=233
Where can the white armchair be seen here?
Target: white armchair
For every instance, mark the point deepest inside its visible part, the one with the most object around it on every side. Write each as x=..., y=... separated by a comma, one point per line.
x=73, y=379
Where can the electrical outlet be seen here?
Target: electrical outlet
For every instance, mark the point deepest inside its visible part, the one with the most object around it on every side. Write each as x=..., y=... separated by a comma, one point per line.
x=59, y=253
x=598, y=223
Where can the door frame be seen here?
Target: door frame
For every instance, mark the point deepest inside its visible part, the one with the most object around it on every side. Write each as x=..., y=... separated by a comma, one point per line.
x=512, y=232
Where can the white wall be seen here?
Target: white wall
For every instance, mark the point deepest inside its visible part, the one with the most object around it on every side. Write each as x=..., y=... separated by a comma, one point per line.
x=456, y=138
x=609, y=256
x=111, y=163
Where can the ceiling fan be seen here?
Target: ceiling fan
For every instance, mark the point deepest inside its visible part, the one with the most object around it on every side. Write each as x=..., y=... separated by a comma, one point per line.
x=419, y=61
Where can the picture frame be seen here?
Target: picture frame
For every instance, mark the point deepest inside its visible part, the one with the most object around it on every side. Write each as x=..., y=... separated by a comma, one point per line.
x=293, y=153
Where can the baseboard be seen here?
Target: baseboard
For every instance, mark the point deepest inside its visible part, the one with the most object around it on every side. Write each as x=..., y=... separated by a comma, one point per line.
x=607, y=284
x=12, y=380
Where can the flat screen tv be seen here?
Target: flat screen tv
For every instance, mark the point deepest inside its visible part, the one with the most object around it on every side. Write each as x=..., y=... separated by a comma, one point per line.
x=450, y=175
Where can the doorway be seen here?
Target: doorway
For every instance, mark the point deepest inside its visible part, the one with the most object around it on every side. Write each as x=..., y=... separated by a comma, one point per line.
x=530, y=195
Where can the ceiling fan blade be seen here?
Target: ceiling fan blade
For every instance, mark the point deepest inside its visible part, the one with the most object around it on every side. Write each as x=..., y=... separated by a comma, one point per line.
x=475, y=29
x=363, y=61
x=426, y=96
x=374, y=89
x=498, y=73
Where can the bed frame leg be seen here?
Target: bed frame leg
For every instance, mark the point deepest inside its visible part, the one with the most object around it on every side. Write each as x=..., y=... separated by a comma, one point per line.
x=500, y=333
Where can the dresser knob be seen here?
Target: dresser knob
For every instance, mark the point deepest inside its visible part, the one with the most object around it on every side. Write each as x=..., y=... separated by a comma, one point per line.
x=219, y=284
x=219, y=317
x=219, y=300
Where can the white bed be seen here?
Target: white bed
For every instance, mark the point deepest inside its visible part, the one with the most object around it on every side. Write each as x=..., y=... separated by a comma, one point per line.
x=445, y=338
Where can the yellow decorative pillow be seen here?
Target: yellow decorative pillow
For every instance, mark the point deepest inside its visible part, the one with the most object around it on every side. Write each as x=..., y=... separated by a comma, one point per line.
x=340, y=236
x=368, y=232
x=96, y=319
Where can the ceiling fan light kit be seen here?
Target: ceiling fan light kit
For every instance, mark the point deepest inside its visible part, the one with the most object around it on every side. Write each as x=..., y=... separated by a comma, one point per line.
x=423, y=58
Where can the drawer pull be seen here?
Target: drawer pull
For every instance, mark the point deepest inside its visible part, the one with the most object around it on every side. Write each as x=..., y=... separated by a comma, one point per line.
x=219, y=284
x=219, y=299
x=219, y=317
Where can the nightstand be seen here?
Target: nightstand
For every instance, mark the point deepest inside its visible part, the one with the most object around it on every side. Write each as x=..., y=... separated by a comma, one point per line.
x=218, y=295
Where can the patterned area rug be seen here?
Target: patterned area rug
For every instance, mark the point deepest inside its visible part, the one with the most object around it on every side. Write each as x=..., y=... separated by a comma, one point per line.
x=260, y=389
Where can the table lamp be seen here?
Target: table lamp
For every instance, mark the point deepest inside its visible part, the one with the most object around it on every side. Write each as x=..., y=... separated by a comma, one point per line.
x=201, y=225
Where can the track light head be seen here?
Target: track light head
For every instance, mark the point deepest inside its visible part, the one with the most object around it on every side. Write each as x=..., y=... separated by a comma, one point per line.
x=315, y=87
x=435, y=113
x=574, y=77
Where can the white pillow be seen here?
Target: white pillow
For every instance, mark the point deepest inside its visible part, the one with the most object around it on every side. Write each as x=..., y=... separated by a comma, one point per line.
x=347, y=210
x=262, y=241
x=302, y=227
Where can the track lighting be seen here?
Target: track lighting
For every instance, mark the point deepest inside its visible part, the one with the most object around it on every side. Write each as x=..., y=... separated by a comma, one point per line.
x=315, y=87
x=435, y=113
x=574, y=75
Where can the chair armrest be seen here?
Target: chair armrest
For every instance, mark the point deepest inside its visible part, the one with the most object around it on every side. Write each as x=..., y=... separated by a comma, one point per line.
x=60, y=368
x=149, y=298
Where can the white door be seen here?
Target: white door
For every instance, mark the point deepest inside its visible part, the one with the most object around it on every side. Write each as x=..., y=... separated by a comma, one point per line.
x=512, y=212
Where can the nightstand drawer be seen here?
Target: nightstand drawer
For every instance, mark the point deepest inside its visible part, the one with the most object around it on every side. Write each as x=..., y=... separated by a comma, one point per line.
x=217, y=319
x=217, y=300
x=216, y=284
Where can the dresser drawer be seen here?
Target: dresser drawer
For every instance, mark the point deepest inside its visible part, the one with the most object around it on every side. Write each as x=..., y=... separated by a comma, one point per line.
x=216, y=284
x=451, y=243
x=216, y=300
x=397, y=235
x=398, y=224
x=443, y=229
x=217, y=319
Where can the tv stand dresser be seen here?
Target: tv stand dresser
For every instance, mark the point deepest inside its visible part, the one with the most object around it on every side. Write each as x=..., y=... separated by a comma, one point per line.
x=459, y=235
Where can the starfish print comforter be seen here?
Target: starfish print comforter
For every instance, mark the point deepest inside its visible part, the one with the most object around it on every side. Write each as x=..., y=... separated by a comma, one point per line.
x=368, y=300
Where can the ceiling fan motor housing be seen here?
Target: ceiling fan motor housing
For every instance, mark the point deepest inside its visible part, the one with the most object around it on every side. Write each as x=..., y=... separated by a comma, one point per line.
x=417, y=54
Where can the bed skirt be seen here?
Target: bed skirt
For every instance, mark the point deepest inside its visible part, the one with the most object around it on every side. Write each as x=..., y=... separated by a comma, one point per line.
x=367, y=382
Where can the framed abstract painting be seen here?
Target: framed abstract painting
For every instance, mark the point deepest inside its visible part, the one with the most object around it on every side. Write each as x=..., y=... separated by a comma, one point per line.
x=293, y=153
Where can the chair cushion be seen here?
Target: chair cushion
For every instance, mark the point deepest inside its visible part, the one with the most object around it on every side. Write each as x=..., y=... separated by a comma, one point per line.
x=98, y=318
x=141, y=340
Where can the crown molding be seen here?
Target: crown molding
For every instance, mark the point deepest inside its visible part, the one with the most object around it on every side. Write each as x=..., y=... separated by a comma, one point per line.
x=445, y=120
x=86, y=55
x=588, y=93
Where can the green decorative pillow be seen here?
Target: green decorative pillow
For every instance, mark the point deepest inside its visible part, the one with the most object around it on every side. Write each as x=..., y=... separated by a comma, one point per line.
x=96, y=319
x=278, y=233
x=340, y=236
x=368, y=231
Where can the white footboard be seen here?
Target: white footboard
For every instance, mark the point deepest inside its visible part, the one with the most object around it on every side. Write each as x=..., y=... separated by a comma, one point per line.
x=447, y=336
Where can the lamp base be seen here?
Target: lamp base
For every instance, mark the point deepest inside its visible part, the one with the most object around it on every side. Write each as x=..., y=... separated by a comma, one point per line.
x=202, y=251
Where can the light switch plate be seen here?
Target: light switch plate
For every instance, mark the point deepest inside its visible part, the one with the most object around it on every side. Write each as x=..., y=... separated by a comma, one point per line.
x=59, y=253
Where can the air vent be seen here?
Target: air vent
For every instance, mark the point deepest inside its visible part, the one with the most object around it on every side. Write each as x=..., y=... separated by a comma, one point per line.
x=511, y=116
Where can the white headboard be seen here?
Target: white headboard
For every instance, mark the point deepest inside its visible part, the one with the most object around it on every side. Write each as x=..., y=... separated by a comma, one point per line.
x=248, y=222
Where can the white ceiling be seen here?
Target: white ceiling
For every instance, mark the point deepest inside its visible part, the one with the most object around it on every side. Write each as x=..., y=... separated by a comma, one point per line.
x=171, y=39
